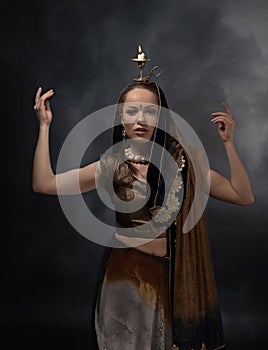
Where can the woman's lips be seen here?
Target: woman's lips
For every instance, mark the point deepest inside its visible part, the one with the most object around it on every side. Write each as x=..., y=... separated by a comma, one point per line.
x=140, y=131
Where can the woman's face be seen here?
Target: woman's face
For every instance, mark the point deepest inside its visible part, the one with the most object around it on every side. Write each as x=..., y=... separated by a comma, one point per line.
x=140, y=114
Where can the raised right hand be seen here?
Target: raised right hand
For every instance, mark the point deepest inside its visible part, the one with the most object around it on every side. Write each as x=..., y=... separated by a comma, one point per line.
x=42, y=106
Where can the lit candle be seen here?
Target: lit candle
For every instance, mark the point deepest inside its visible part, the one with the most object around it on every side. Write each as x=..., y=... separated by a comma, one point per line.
x=141, y=56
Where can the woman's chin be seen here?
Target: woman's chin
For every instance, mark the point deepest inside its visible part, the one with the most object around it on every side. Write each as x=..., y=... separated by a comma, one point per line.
x=140, y=139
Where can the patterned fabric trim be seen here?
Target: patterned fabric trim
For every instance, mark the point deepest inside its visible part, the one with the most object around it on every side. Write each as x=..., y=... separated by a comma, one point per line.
x=163, y=214
x=175, y=347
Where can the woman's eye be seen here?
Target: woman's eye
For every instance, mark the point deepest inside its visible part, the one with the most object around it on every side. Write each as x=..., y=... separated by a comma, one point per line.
x=151, y=112
x=131, y=112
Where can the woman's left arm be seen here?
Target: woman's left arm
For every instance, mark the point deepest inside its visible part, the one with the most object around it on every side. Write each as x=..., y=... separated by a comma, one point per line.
x=237, y=189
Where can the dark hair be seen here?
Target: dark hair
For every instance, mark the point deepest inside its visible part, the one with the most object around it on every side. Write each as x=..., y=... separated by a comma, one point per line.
x=147, y=86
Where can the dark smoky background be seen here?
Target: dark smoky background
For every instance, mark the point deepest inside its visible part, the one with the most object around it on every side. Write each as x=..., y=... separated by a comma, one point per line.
x=209, y=52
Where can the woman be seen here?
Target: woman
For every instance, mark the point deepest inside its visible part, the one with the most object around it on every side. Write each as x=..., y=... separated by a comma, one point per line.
x=159, y=293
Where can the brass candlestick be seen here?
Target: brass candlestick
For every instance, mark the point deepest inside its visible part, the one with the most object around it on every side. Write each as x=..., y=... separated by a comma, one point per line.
x=141, y=59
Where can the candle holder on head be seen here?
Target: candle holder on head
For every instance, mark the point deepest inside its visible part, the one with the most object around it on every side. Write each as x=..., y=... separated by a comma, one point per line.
x=141, y=59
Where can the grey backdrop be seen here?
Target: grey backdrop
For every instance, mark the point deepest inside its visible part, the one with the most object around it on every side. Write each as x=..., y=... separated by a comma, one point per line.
x=209, y=52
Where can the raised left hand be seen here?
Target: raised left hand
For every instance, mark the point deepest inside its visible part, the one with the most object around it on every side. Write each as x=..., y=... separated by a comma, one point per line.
x=226, y=123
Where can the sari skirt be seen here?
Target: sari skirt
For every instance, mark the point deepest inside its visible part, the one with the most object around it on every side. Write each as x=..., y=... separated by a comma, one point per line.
x=133, y=308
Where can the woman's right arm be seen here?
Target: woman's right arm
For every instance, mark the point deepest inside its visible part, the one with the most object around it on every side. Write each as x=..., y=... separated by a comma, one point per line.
x=43, y=179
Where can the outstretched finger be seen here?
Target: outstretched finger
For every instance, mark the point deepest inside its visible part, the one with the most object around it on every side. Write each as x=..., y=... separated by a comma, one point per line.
x=227, y=108
x=38, y=94
x=46, y=96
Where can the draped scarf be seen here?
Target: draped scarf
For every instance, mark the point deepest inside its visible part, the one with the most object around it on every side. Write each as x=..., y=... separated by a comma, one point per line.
x=197, y=323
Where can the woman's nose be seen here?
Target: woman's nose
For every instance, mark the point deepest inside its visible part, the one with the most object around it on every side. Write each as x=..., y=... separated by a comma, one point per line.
x=140, y=117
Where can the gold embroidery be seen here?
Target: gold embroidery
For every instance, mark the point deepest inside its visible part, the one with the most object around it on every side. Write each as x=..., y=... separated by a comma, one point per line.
x=175, y=347
x=172, y=203
x=154, y=210
x=181, y=164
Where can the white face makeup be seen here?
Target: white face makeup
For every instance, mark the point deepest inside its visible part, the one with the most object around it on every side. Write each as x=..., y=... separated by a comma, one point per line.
x=140, y=114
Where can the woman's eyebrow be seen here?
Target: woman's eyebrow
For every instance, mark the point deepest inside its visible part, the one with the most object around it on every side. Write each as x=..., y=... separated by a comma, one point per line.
x=149, y=106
